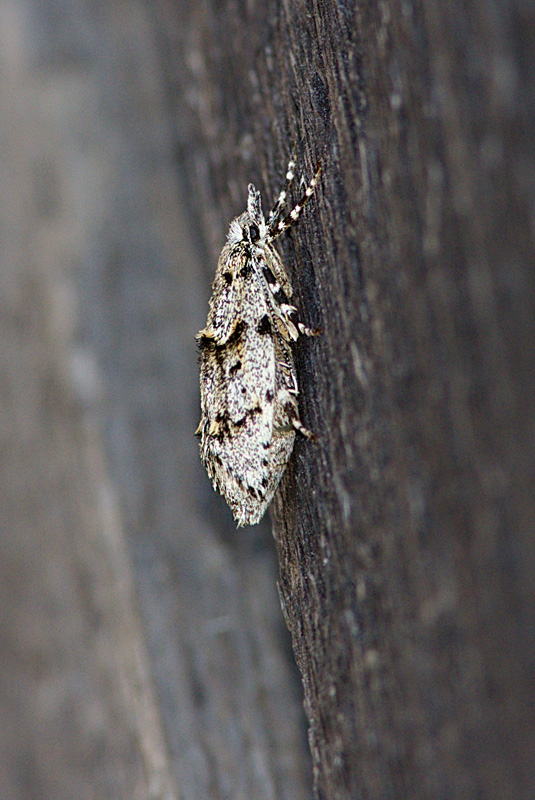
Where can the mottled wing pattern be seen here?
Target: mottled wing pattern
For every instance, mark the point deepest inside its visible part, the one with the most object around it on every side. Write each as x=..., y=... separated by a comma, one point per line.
x=241, y=376
x=248, y=385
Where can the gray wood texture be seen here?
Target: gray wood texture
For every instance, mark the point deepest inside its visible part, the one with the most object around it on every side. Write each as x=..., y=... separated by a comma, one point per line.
x=406, y=535
x=144, y=654
x=143, y=648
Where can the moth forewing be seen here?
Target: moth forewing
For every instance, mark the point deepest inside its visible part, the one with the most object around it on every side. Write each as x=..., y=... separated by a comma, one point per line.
x=249, y=414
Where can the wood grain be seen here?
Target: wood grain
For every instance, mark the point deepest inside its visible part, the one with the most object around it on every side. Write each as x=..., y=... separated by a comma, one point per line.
x=405, y=537
x=143, y=650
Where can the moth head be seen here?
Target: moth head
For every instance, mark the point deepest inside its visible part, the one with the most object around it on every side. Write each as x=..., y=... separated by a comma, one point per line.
x=250, y=226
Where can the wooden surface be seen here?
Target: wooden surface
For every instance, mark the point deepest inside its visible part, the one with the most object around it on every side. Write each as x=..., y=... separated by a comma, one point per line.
x=406, y=536
x=143, y=650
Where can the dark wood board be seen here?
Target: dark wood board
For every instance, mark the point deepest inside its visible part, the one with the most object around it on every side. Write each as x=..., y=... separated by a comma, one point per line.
x=406, y=535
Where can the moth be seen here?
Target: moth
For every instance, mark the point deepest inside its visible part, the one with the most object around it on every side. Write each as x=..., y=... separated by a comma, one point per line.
x=249, y=414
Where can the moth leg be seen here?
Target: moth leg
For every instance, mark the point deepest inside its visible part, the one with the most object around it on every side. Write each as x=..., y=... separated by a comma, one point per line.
x=285, y=311
x=309, y=331
x=290, y=385
x=287, y=404
x=283, y=225
x=292, y=415
x=298, y=425
x=276, y=211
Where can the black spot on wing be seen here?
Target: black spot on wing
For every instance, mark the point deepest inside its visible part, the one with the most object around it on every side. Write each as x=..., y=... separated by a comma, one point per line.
x=237, y=333
x=264, y=326
x=234, y=368
x=206, y=342
x=228, y=277
x=249, y=414
x=222, y=427
x=210, y=342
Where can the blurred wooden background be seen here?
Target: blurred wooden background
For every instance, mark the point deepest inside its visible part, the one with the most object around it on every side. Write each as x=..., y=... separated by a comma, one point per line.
x=144, y=653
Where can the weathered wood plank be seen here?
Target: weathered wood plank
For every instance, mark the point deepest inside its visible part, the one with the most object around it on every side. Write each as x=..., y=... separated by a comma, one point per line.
x=145, y=655
x=405, y=536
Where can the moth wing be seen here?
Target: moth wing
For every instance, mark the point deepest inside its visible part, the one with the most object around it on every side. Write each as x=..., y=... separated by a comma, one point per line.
x=274, y=262
x=225, y=302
